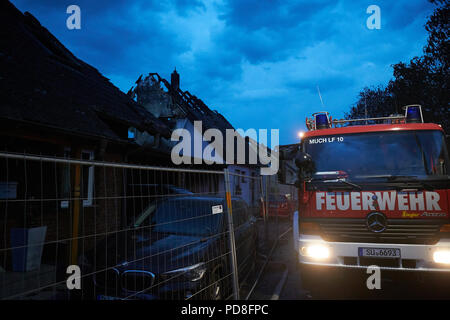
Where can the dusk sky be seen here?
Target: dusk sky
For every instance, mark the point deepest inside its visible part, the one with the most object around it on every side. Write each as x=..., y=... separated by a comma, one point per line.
x=257, y=62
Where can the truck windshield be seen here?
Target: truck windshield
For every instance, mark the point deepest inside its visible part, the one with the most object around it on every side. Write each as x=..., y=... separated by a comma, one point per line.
x=401, y=153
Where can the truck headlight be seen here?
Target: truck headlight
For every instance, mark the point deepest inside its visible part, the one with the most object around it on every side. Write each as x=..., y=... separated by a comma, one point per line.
x=191, y=273
x=316, y=251
x=442, y=256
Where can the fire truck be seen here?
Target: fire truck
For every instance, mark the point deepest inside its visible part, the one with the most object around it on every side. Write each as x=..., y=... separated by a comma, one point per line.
x=372, y=194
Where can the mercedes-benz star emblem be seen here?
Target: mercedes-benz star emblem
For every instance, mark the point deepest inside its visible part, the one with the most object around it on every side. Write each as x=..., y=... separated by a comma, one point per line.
x=376, y=222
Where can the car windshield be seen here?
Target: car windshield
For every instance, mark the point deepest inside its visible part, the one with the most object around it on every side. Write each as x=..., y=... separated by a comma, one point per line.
x=358, y=156
x=188, y=217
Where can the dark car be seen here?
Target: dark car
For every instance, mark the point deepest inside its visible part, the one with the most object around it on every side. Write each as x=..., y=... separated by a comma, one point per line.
x=176, y=248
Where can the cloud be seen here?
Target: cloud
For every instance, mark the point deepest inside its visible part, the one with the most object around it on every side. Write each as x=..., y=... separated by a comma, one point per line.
x=275, y=15
x=258, y=62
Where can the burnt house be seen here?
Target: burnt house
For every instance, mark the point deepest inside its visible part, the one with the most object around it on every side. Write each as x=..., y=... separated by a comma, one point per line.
x=179, y=109
x=167, y=102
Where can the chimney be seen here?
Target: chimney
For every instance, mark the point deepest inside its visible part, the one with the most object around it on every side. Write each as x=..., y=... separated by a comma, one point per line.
x=175, y=80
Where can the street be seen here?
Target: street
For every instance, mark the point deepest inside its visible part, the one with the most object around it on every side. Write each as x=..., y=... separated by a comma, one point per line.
x=350, y=286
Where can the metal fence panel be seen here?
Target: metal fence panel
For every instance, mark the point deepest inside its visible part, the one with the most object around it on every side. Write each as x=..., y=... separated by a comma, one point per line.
x=134, y=231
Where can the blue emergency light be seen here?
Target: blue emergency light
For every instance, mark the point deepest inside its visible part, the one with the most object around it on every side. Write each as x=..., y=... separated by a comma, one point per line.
x=414, y=114
x=322, y=121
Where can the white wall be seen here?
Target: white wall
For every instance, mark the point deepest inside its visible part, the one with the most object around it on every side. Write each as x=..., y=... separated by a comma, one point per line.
x=245, y=184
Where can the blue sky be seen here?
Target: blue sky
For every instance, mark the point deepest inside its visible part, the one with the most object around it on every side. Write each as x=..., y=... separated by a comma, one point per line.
x=257, y=62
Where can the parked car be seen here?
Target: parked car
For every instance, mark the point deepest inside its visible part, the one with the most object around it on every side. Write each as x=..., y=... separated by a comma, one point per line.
x=176, y=249
x=278, y=205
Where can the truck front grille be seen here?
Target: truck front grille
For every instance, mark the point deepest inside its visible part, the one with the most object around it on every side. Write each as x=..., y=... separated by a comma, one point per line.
x=397, y=231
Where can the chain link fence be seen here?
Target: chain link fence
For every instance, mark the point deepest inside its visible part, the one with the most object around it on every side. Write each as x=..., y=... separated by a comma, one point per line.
x=85, y=229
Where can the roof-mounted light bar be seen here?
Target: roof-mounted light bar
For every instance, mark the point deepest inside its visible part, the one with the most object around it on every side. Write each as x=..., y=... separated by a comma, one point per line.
x=413, y=113
x=322, y=120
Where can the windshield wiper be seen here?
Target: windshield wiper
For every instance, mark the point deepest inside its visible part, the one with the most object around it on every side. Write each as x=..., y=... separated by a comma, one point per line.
x=353, y=185
x=400, y=179
x=389, y=177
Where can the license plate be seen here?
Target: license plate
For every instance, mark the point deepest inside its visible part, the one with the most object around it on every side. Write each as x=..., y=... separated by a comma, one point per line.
x=379, y=252
x=103, y=297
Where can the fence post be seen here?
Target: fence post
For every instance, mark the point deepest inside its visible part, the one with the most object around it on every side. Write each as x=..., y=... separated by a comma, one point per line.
x=261, y=197
x=266, y=207
x=263, y=207
x=276, y=192
x=232, y=244
x=76, y=212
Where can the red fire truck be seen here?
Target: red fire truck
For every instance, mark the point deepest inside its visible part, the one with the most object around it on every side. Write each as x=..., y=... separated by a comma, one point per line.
x=372, y=194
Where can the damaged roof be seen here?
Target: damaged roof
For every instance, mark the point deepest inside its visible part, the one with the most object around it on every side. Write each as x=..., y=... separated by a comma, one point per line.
x=42, y=82
x=193, y=108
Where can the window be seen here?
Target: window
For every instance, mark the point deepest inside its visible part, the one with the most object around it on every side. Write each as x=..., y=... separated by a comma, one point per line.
x=131, y=133
x=419, y=153
x=243, y=178
x=87, y=179
x=184, y=216
x=237, y=186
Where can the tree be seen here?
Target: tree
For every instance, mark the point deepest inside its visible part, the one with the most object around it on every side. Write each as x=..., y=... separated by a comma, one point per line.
x=372, y=103
x=437, y=48
x=424, y=80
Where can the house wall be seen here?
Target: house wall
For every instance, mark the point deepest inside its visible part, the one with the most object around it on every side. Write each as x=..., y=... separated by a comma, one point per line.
x=248, y=188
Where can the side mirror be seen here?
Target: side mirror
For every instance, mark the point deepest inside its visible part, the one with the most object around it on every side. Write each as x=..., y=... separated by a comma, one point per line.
x=302, y=159
x=288, y=172
x=305, y=164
